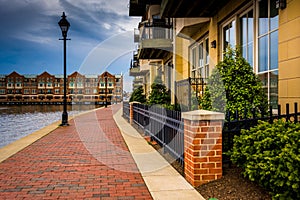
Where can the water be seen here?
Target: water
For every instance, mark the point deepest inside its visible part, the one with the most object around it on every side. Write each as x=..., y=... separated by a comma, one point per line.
x=19, y=121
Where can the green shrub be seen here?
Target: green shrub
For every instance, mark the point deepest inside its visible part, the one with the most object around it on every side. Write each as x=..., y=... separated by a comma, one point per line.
x=270, y=155
x=137, y=95
x=159, y=93
x=233, y=86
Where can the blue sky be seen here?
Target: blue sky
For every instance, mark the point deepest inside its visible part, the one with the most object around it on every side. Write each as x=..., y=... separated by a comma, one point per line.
x=101, y=36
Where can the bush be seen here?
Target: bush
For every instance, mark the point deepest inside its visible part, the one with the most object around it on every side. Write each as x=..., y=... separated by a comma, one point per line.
x=270, y=155
x=159, y=93
x=137, y=95
x=234, y=86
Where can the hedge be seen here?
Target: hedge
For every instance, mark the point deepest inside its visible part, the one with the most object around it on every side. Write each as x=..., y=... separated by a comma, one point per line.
x=270, y=155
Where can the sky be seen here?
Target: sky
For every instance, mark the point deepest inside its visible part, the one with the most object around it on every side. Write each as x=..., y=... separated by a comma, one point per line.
x=101, y=34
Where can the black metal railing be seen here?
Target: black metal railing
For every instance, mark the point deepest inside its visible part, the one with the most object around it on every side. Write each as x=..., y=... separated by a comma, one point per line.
x=163, y=126
x=126, y=110
x=235, y=122
x=156, y=29
x=189, y=91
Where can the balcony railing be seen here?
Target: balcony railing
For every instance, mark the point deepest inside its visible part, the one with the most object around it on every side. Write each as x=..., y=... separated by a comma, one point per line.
x=156, y=38
x=134, y=71
x=156, y=29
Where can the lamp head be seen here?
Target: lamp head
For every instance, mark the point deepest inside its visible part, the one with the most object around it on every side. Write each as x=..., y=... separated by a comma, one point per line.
x=64, y=25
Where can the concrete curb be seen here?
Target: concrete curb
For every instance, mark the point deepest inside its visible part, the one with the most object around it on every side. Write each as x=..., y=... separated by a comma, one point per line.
x=162, y=180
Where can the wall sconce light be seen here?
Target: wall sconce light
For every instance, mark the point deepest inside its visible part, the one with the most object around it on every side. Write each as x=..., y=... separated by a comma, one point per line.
x=213, y=44
x=281, y=4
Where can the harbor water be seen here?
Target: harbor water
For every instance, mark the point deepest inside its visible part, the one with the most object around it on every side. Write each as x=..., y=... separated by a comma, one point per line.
x=19, y=121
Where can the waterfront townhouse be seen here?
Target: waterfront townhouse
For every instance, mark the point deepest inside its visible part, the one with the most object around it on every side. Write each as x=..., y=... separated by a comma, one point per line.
x=30, y=88
x=45, y=86
x=91, y=88
x=76, y=86
x=110, y=87
x=49, y=89
x=14, y=86
x=2, y=87
x=266, y=31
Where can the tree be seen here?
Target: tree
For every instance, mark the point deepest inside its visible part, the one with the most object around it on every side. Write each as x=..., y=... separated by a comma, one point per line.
x=233, y=86
x=137, y=95
x=159, y=93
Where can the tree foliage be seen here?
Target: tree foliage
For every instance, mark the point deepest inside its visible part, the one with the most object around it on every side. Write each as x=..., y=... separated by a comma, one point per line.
x=137, y=95
x=159, y=93
x=233, y=86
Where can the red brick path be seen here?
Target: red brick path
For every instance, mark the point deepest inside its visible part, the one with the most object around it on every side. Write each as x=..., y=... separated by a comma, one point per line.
x=88, y=159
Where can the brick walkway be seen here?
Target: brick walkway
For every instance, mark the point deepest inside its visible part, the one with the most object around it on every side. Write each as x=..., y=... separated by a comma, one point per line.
x=88, y=159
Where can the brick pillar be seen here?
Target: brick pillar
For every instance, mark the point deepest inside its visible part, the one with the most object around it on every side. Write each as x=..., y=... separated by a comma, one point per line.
x=203, y=146
x=131, y=112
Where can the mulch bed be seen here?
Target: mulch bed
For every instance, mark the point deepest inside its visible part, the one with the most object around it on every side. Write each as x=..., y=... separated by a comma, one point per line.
x=232, y=186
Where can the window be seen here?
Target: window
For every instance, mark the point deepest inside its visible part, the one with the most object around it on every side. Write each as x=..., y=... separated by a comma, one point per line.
x=247, y=36
x=56, y=91
x=33, y=91
x=193, y=62
x=2, y=91
x=268, y=48
x=204, y=58
x=229, y=34
x=256, y=33
x=200, y=59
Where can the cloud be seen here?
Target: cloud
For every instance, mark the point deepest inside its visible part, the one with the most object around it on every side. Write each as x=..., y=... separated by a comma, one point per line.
x=31, y=25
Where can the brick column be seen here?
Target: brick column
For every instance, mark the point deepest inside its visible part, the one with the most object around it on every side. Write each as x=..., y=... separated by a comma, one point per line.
x=131, y=112
x=203, y=146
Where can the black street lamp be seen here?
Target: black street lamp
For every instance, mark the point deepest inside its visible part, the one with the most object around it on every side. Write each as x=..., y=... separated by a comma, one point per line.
x=105, y=76
x=64, y=26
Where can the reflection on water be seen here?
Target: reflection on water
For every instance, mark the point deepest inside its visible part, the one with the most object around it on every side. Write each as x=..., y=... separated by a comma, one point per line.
x=19, y=121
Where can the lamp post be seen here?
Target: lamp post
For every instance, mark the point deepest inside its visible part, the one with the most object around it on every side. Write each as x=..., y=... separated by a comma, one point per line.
x=105, y=77
x=64, y=26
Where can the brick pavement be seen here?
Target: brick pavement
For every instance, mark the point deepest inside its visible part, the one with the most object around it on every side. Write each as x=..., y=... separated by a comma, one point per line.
x=86, y=160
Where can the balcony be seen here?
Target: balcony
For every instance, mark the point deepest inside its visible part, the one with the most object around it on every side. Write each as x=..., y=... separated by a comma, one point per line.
x=155, y=39
x=138, y=80
x=134, y=71
x=183, y=8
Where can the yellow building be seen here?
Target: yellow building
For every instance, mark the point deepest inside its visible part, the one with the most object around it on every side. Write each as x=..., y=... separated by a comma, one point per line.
x=266, y=31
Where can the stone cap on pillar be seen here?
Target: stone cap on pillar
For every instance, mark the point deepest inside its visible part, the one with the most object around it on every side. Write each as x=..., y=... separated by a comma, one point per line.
x=202, y=115
x=134, y=102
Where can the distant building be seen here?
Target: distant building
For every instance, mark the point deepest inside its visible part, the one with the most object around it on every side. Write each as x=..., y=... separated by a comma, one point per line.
x=48, y=88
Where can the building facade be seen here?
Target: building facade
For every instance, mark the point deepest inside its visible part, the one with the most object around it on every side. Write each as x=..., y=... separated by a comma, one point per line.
x=48, y=88
x=267, y=33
